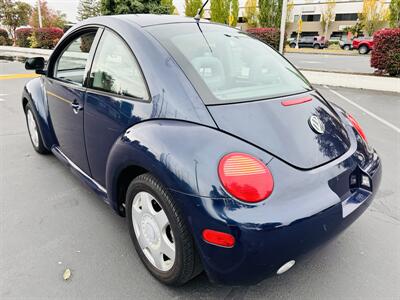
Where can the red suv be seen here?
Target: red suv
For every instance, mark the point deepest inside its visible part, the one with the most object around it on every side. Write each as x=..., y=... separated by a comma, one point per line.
x=363, y=44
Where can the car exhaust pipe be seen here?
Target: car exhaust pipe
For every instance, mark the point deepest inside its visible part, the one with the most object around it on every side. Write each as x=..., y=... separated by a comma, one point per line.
x=286, y=267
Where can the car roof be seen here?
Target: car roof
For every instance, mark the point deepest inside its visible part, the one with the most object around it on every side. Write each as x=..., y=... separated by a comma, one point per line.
x=144, y=20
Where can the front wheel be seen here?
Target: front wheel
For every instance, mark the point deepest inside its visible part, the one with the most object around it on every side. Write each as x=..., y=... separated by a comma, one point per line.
x=292, y=45
x=363, y=50
x=159, y=232
x=33, y=129
x=346, y=47
x=317, y=46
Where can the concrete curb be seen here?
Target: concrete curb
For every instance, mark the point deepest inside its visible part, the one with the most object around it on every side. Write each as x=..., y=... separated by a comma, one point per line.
x=352, y=53
x=367, y=82
x=23, y=52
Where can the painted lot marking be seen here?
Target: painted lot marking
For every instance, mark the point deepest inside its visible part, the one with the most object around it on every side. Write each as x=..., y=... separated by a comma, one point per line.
x=383, y=121
x=1, y=99
x=17, y=76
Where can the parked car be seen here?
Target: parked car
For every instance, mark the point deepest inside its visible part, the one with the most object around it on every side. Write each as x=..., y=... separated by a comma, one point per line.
x=315, y=42
x=363, y=44
x=221, y=155
x=345, y=43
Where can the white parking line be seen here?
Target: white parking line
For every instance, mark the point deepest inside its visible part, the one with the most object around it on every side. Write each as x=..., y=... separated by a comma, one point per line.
x=390, y=125
x=1, y=99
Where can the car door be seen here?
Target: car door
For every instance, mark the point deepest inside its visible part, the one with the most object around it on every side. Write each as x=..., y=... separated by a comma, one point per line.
x=117, y=98
x=65, y=90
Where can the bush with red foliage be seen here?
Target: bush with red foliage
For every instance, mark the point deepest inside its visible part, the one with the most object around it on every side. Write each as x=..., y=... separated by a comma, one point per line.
x=4, y=39
x=268, y=35
x=22, y=37
x=46, y=38
x=386, y=53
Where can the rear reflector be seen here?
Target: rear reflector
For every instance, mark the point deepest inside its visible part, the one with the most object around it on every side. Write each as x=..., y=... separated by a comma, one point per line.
x=296, y=101
x=218, y=238
x=245, y=177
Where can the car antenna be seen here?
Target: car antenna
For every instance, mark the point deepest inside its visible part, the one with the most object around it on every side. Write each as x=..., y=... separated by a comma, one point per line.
x=197, y=17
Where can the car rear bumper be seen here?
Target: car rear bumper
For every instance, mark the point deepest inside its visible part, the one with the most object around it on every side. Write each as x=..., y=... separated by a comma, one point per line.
x=262, y=248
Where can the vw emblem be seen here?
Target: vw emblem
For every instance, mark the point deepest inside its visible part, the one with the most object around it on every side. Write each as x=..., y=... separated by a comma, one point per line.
x=316, y=124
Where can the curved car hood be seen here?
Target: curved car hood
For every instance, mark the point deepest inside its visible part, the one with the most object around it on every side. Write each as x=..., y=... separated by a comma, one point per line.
x=284, y=131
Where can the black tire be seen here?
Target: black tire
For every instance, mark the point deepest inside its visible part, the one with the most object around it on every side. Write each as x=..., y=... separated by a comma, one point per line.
x=317, y=46
x=39, y=146
x=292, y=45
x=187, y=263
x=363, y=49
x=346, y=47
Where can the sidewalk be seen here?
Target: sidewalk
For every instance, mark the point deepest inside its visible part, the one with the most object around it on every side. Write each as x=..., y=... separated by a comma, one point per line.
x=357, y=81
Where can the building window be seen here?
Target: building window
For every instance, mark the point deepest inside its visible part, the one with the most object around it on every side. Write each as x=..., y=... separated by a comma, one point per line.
x=346, y=17
x=311, y=18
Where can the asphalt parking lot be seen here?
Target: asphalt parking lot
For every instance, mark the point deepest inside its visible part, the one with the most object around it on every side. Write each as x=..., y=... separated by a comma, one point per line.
x=49, y=221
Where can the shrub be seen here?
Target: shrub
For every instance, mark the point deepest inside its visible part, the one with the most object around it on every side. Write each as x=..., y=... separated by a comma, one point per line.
x=386, y=53
x=268, y=35
x=46, y=38
x=4, y=39
x=22, y=36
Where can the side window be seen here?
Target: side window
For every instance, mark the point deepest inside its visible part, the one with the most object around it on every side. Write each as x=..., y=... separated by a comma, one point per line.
x=72, y=62
x=115, y=69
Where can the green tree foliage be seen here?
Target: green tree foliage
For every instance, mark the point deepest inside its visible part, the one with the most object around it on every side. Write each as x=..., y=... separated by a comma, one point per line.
x=373, y=15
x=14, y=15
x=328, y=16
x=117, y=7
x=88, y=9
x=50, y=18
x=270, y=12
x=234, y=13
x=224, y=11
x=192, y=6
x=250, y=10
x=394, y=14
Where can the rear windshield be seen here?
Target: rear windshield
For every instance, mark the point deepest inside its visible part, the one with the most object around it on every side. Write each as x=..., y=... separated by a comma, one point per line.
x=226, y=65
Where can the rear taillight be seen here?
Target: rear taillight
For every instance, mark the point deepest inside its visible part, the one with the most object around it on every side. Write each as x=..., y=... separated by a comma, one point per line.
x=357, y=126
x=245, y=177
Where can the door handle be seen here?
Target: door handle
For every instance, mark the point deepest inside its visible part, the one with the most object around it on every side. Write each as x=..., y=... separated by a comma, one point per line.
x=76, y=107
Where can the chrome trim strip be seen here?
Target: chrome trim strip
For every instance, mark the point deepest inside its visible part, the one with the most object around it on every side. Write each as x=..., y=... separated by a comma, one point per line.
x=72, y=164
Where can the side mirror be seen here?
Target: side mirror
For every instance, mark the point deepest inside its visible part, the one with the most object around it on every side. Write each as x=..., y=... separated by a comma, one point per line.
x=35, y=63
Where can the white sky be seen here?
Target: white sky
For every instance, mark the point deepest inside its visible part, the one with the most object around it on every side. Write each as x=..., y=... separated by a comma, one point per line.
x=70, y=7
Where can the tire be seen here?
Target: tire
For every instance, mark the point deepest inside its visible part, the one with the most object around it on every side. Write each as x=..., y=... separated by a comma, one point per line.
x=346, y=47
x=146, y=200
x=317, y=46
x=292, y=45
x=363, y=49
x=34, y=132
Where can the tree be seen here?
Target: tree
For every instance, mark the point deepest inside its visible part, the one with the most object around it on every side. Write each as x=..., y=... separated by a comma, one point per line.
x=327, y=16
x=219, y=10
x=14, y=15
x=50, y=18
x=250, y=11
x=270, y=12
x=234, y=13
x=88, y=9
x=117, y=7
x=192, y=6
x=394, y=16
x=373, y=15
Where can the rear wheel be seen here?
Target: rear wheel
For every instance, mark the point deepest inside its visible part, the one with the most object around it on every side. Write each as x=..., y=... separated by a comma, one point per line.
x=292, y=45
x=33, y=129
x=346, y=47
x=317, y=46
x=363, y=49
x=159, y=233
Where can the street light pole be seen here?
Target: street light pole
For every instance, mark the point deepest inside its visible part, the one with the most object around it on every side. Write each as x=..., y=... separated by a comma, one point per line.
x=283, y=26
x=40, y=15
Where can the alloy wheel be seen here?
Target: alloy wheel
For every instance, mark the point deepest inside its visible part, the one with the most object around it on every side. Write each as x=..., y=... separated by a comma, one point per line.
x=33, y=131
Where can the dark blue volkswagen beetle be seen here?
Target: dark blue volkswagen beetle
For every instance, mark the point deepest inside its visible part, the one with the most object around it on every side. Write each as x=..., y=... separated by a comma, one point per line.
x=216, y=149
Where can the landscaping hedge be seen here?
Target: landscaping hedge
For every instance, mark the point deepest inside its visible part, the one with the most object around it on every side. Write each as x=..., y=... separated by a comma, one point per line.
x=4, y=39
x=268, y=35
x=22, y=37
x=46, y=38
x=386, y=53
